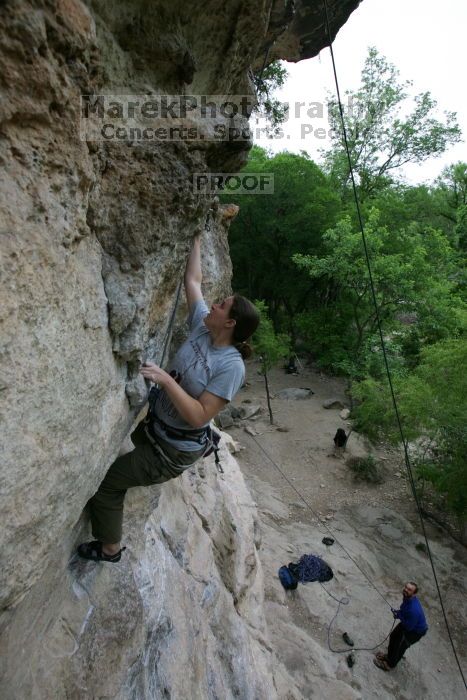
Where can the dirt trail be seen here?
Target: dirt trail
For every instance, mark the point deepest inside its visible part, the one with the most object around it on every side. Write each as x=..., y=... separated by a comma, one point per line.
x=377, y=525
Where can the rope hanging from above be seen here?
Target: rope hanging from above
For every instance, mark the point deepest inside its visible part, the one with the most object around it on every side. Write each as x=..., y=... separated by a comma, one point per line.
x=383, y=345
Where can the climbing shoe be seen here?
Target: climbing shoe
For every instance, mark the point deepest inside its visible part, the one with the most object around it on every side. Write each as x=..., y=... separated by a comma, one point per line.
x=93, y=551
x=348, y=640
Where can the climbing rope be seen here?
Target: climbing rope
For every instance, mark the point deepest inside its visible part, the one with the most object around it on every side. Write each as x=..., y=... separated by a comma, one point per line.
x=383, y=345
x=259, y=78
x=340, y=601
x=321, y=522
x=346, y=601
x=168, y=334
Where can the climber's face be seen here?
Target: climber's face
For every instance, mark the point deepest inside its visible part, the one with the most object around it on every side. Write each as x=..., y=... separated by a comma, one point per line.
x=408, y=590
x=218, y=317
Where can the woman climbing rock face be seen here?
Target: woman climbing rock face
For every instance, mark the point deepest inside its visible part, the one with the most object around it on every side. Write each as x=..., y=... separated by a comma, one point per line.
x=204, y=376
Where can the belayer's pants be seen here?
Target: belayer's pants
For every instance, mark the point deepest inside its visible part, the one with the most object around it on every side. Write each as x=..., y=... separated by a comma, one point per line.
x=147, y=464
x=399, y=641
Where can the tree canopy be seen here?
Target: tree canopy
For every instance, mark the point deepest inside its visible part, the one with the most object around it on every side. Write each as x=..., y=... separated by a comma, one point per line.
x=384, y=131
x=267, y=80
x=433, y=407
x=300, y=251
x=269, y=230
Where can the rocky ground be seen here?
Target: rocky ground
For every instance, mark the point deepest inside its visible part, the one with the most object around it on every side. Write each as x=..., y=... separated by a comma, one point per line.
x=378, y=527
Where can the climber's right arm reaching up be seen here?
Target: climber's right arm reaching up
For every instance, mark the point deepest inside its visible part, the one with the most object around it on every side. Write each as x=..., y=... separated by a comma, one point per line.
x=193, y=274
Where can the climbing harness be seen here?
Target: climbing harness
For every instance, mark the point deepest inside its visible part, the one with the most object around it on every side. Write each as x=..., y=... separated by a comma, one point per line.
x=383, y=345
x=197, y=435
x=207, y=436
x=213, y=446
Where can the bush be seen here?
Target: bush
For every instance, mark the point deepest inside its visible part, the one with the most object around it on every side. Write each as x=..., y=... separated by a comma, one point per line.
x=365, y=469
x=433, y=408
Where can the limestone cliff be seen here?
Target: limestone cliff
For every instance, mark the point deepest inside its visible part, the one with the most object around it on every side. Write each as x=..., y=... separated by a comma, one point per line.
x=93, y=241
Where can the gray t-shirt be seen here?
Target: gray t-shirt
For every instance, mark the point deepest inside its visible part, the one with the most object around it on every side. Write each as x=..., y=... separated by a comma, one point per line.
x=199, y=366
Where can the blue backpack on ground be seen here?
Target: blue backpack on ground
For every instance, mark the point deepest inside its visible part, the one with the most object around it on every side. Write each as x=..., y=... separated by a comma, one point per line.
x=309, y=568
x=287, y=578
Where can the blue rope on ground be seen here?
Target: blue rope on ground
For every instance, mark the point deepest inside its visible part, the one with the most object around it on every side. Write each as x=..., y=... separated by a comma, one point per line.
x=340, y=601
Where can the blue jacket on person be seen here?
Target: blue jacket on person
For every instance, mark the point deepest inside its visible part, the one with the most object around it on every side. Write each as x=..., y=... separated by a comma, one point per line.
x=412, y=616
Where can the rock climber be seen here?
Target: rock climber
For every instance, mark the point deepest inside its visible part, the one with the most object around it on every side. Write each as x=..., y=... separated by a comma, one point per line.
x=411, y=628
x=205, y=375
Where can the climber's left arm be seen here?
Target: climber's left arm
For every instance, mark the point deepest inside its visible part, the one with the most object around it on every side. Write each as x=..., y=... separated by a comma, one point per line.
x=193, y=275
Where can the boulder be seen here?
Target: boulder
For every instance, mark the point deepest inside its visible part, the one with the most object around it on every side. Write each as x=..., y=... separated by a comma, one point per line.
x=345, y=413
x=249, y=411
x=333, y=403
x=224, y=419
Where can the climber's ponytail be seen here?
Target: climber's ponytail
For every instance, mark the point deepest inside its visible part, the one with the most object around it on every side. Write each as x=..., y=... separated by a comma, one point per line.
x=244, y=349
x=246, y=317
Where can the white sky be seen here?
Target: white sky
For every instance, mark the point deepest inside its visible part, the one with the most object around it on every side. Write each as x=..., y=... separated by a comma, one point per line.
x=425, y=39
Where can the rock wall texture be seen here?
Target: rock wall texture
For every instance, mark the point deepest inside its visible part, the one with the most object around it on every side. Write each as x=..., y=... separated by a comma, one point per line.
x=93, y=242
x=181, y=617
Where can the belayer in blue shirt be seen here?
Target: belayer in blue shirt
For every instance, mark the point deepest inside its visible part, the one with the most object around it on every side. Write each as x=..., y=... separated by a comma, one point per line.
x=411, y=628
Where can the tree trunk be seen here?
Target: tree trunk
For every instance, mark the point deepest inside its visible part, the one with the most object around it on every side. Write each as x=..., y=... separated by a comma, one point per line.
x=271, y=419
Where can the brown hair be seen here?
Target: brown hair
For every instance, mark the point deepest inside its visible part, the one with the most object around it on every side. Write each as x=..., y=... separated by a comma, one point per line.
x=412, y=583
x=246, y=317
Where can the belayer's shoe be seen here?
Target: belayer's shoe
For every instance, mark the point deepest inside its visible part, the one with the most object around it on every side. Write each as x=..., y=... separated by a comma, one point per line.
x=348, y=640
x=93, y=552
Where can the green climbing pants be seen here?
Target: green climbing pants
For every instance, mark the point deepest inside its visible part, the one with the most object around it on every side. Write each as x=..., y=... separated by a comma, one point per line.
x=147, y=464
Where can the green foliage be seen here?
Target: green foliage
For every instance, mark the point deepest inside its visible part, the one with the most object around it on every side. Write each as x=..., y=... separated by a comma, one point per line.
x=419, y=207
x=272, y=110
x=453, y=184
x=452, y=197
x=383, y=134
x=411, y=271
x=322, y=333
x=300, y=250
x=270, y=229
x=365, y=469
x=269, y=345
x=461, y=228
x=433, y=409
